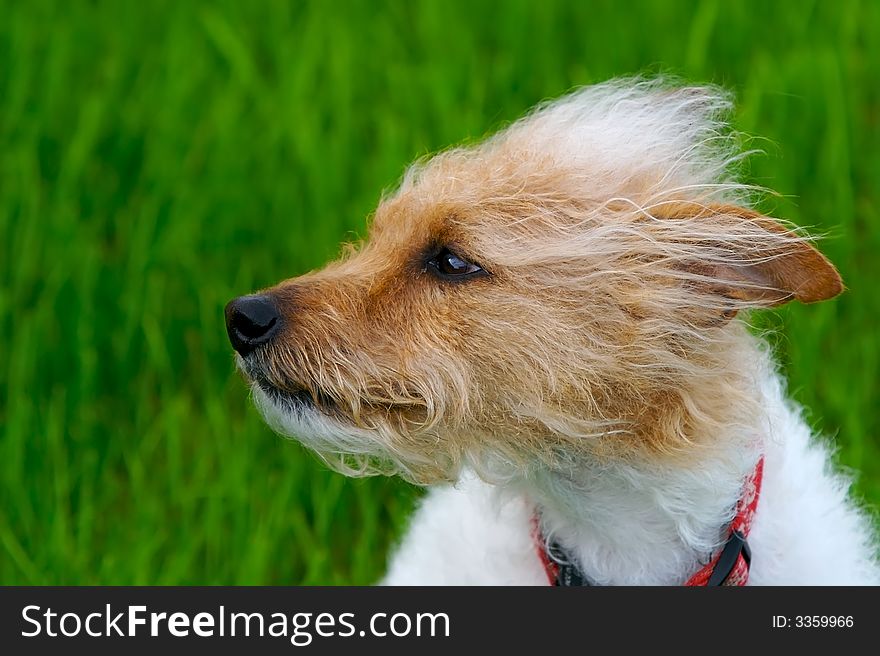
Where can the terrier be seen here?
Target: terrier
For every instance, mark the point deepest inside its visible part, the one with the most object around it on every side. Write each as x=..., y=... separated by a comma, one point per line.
x=548, y=329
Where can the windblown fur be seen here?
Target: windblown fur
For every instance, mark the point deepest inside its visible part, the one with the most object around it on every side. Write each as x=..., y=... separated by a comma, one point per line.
x=604, y=340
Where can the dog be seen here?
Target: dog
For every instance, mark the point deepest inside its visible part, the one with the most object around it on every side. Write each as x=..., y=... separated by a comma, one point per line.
x=547, y=328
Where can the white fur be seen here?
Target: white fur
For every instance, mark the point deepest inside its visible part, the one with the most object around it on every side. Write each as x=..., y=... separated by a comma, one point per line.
x=654, y=527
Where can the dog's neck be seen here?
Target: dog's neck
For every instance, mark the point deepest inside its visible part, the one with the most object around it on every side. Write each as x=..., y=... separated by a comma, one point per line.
x=652, y=521
x=627, y=525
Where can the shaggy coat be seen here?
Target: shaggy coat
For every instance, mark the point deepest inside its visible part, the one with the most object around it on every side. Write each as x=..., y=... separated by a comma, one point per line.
x=551, y=323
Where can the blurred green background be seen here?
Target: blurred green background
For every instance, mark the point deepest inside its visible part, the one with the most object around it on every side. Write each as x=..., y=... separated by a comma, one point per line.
x=158, y=158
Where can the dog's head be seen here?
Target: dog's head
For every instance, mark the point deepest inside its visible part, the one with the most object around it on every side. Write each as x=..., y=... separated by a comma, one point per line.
x=565, y=287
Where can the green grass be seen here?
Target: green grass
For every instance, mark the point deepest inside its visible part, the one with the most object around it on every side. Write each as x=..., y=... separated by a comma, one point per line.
x=159, y=158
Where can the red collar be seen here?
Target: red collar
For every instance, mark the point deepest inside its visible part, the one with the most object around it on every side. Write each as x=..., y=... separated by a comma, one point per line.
x=730, y=566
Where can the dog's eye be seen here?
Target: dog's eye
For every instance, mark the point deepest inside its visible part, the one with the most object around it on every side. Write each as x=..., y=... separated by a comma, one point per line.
x=450, y=265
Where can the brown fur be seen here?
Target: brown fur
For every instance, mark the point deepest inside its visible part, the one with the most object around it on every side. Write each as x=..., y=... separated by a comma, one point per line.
x=602, y=328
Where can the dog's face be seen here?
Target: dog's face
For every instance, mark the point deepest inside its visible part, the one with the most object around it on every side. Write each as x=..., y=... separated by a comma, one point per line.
x=562, y=289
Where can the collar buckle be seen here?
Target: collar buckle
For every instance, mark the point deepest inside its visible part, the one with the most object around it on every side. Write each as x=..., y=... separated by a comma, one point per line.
x=735, y=548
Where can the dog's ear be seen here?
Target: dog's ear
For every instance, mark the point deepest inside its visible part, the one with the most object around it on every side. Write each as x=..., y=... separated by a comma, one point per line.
x=750, y=259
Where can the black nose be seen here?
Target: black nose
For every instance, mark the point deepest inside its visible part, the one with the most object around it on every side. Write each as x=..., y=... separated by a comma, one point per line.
x=251, y=321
